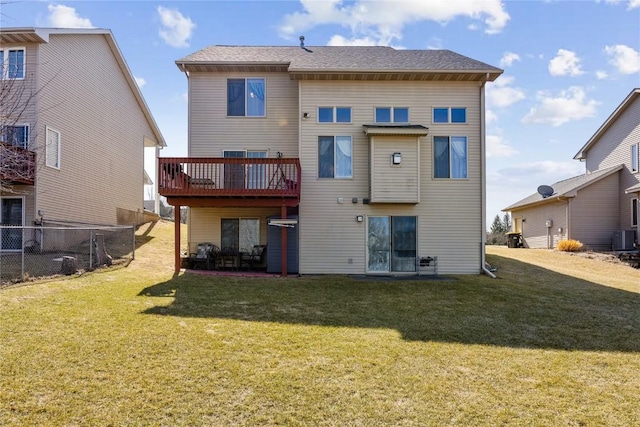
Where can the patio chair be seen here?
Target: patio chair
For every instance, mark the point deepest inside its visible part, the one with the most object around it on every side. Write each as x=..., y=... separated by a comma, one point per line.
x=254, y=258
x=203, y=256
x=229, y=257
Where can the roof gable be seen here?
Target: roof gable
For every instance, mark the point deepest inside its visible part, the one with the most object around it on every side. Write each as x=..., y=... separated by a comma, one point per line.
x=634, y=96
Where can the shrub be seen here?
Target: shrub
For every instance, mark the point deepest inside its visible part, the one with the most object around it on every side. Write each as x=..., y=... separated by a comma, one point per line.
x=569, y=245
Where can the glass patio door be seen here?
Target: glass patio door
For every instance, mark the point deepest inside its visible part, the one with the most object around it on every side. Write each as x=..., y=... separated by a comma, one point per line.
x=234, y=173
x=391, y=244
x=11, y=213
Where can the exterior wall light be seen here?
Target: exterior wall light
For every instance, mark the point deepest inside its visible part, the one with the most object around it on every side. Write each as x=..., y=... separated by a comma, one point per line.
x=396, y=158
x=359, y=218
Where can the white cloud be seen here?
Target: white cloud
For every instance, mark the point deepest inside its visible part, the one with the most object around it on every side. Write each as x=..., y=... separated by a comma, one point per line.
x=632, y=3
x=498, y=147
x=624, y=58
x=140, y=81
x=176, y=29
x=383, y=21
x=338, y=40
x=490, y=116
x=61, y=16
x=565, y=63
x=545, y=171
x=501, y=94
x=570, y=104
x=508, y=59
x=601, y=75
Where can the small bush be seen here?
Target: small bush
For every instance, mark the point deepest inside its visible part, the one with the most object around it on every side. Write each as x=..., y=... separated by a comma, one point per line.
x=569, y=245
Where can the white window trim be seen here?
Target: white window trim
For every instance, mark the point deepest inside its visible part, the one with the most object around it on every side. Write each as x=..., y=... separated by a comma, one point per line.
x=334, y=114
x=635, y=156
x=433, y=111
x=392, y=114
x=4, y=71
x=245, y=94
x=466, y=138
x=335, y=147
x=59, y=144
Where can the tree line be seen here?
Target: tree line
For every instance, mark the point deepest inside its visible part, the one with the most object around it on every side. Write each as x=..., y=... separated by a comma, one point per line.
x=497, y=234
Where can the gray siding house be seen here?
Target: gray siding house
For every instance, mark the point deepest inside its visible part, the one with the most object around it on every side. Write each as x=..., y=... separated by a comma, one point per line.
x=342, y=160
x=73, y=112
x=599, y=208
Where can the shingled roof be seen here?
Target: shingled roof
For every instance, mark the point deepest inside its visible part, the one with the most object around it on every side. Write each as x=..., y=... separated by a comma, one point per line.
x=565, y=188
x=339, y=59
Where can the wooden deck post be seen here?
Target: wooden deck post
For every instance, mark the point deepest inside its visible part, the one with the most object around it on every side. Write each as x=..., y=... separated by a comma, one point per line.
x=176, y=218
x=283, y=215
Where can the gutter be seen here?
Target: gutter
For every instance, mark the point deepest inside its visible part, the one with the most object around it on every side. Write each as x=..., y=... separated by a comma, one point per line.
x=488, y=273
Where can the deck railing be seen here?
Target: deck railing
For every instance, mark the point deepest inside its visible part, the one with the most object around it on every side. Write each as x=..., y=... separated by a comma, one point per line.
x=17, y=164
x=229, y=177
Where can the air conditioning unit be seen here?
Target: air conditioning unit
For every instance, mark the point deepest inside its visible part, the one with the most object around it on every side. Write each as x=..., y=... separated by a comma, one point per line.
x=623, y=240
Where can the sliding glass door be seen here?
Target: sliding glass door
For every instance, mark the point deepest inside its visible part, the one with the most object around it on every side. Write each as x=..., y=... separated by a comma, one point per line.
x=391, y=244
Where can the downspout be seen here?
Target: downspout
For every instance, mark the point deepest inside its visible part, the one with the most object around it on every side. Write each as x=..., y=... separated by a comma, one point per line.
x=483, y=184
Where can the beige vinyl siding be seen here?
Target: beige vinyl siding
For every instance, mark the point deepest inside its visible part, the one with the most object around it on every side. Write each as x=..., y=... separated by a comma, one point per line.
x=87, y=99
x=449, y=213
x=534, y=229
x=211, y=131
x=205, y=223
x=614, y=148
x=593, y=220
x=394, y=183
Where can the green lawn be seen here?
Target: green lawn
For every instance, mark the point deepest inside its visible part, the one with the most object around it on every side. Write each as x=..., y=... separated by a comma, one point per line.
x=555, y=340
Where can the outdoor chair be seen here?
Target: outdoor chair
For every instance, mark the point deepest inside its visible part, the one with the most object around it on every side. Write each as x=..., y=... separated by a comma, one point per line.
x=254, y=258
x=229, y=258
x=203, y=257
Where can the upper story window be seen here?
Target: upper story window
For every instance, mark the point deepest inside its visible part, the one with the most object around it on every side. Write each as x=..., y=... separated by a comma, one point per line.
x=246, y=97
x=52, y=149
x=392, y=115
x=634, y=158
x=334, y=114
x=449, y=115
x=335, y=157
x=450, y=157
x=12, y=63
x=15, y=135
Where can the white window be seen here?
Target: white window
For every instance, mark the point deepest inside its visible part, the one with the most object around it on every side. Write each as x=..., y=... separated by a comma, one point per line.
x=392, y=115
x=634, y=158
x=17, y=135
x=334, y=114
x=246, y=97
x=12, y=63
x=334, y=157
x=52, y=154
x=450, y=157
x=449, y=115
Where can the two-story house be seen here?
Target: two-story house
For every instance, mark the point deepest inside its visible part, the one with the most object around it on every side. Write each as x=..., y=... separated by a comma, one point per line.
x=73, y=128
x=346, y=160
x=600, y=207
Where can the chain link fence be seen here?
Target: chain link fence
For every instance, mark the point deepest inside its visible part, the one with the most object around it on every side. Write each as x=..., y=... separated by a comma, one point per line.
x=42, y=251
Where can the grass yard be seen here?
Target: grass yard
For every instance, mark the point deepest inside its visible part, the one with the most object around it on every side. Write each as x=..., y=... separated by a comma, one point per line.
x=554, y=341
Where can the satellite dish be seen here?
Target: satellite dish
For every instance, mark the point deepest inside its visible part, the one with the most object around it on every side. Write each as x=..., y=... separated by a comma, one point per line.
x=545, y=191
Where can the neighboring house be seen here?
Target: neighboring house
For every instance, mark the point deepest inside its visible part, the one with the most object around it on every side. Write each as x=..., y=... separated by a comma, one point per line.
x=71, y=109
x=599, y=208
x=346, y=160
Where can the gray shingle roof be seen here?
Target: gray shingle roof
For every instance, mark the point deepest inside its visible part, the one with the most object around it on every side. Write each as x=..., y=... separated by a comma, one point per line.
x=340, y=58
x=565, y=187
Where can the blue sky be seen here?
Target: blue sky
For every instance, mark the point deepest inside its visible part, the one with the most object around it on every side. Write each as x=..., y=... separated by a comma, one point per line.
x=568, y=64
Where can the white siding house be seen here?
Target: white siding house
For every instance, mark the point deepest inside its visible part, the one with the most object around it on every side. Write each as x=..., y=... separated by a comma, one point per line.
x=375, y=156
x=599, y=206
x=88, y=125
